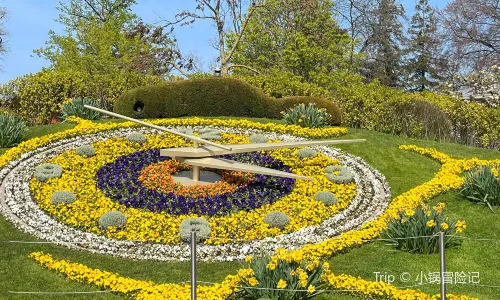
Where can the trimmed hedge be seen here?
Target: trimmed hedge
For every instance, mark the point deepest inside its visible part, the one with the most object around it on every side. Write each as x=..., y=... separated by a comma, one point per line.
x=209, y=97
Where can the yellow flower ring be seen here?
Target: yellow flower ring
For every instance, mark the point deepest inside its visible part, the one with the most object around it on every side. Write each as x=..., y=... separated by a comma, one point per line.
x=155, y=235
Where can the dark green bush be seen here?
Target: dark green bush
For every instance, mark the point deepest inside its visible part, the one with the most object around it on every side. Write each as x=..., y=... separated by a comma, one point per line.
x=12, y=130
x=197, y=97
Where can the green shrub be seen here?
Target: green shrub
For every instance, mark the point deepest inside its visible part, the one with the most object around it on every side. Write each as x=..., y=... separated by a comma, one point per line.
x=112, y=218
x=416, y=230
x=282, y=278
x=482, y=186
x=339, y=174
x=277, y=219
x=85, y=150
x=12, y=130
x=65, y=197
x=330, y=113
x=306, y=116
x=137, y=137
x=39, y=97
x=200, y=225
x=47, y=171
x=328, y=198
x=306, y=153
x=211, y=136
x=258, y=138
x=75, y=108
x=197, y=97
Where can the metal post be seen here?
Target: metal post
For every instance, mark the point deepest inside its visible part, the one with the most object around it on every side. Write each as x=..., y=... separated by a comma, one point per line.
x=193, y=265
x=443, y=264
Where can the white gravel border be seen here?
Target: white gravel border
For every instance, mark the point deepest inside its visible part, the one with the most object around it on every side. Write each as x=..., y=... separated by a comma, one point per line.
x=16, y=205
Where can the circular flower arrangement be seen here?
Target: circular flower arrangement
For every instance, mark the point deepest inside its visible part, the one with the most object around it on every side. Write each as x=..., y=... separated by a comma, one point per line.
x=134, y=179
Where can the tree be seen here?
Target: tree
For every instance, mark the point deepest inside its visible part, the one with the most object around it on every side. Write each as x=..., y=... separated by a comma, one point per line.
x=296, y=36
x=473, y=31
x=383, y=46
x=3, y=33
x=104, y=36
x=221, y=13
x=424, y=50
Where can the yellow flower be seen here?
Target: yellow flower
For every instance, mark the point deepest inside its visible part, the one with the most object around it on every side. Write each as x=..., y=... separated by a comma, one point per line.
x=253, y=281
x=444, y=226
x=281, y=284
x=271, y=266
x=409, y=212
x=403, y=221
x=311, y=289
x=310, y=267
x=248, y=259
x=431, y=223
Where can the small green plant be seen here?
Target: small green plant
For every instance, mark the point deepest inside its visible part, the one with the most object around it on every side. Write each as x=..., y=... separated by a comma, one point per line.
x=258, y=138
x=76, y=108
x=65, y=197
x=307, y=116
x=112, y=218
x=208, y=130
x=306, y=153
x=12, y=130
x=277, y=219
x=328, y=198
x=47, y=171
x=482, y=185
x=282, y=277
x=416, y=230
x=85, y=150
x=137, y=137
x=212, y=135
x=339, y=174
x=200, y=225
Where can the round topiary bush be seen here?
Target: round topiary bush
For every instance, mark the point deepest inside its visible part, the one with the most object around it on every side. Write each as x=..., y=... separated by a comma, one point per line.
x=85, y=150
x=328, y=198
x=63, y=197
x=112, y=218
x=46, y=171
x=343, y=176
x=306, y=153
x=277, y=219
x=258, y=138
x=200, y=225
x=137, y=137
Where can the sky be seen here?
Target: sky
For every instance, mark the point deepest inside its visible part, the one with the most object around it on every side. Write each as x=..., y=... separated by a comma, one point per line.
x=29, y=22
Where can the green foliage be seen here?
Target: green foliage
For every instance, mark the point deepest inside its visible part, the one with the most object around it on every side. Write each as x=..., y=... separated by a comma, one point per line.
x=39, y=97
x=112, y=218
x=65, y=197
x=137, y=137
x=279, y=278
x=330, y=109
x=12, y=130
x=46, y=171
x=199, y=225
x=306, y=153
x=211, y=136
x=75, y=108
x=328, y=198
x=277, y=219
x=339, y=174
x=258, y=138
x=424, y=223
x=209, y=130
x=85, y=150
x=197, y=97
x=298, y=37
x=482, y=186
x=307, y=116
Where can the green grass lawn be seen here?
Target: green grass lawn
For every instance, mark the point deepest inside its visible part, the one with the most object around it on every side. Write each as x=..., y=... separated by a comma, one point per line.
x=404, y=170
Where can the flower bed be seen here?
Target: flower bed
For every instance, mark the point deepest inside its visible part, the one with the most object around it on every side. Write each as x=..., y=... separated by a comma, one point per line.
x=317, y=223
